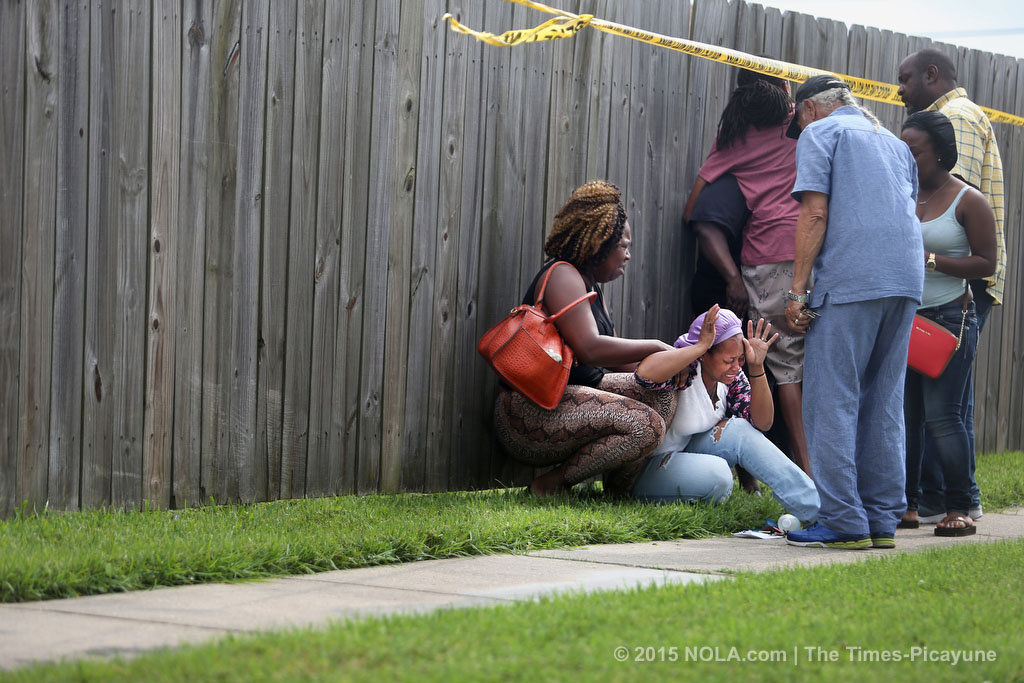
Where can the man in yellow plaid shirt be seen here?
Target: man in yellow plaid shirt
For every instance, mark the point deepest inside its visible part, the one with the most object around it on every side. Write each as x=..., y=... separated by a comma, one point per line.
x=927, y=81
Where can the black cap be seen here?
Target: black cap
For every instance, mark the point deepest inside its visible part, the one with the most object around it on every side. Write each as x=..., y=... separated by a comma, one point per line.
x=809, y=88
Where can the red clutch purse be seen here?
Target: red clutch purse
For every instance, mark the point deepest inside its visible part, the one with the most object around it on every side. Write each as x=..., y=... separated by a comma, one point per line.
x=931, y=347
x=526, y=350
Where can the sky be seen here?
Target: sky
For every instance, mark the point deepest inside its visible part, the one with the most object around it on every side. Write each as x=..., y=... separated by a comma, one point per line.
x=989, y=25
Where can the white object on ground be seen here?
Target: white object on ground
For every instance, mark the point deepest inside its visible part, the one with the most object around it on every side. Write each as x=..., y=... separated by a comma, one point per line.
x=789, y=523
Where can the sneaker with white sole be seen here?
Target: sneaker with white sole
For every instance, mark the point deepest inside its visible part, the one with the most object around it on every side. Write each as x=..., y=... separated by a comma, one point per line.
x=820, y=536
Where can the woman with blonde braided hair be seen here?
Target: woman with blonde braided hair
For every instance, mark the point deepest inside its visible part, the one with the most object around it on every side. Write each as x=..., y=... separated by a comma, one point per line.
x=605, y=423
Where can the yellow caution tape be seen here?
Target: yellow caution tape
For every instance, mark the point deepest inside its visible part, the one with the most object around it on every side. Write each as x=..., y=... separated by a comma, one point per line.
x=567, y=25
x=559, y=27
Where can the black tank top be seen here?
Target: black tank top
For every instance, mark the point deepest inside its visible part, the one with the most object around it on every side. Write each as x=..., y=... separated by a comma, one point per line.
x=587, y=375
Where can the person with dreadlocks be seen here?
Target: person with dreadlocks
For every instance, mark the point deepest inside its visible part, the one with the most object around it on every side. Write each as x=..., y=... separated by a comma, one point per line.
x=605, y=423
x=752, y=146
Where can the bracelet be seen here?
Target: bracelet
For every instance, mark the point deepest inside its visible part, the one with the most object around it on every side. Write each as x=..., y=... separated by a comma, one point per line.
x=755, y=376
x=799, y=298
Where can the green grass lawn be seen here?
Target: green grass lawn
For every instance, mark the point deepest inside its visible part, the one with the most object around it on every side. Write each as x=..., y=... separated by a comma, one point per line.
x=961, y=601
x=55, y=555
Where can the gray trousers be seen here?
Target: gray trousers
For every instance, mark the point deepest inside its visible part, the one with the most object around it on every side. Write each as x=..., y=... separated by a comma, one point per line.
x=855, y=364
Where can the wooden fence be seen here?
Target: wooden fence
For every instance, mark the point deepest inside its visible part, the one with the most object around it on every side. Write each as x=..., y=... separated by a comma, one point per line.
x=247, y=248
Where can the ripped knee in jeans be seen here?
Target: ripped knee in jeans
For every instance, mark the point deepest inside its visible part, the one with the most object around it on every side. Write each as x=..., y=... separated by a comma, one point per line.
x=717, y=435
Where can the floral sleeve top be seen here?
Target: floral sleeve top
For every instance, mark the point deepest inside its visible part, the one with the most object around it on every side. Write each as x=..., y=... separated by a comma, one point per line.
x=737, y=398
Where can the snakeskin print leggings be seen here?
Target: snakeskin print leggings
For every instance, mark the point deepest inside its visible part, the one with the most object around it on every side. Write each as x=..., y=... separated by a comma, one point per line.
x=609, y=430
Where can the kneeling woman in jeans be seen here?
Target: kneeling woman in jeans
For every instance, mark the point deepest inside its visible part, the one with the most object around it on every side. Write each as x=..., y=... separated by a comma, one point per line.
x=718, y=415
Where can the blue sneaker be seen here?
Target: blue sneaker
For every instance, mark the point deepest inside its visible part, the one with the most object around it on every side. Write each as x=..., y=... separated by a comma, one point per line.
x=820, y=536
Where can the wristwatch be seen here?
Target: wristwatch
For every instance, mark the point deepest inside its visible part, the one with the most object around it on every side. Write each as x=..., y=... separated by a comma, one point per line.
x=929, y=264
x=799, y=298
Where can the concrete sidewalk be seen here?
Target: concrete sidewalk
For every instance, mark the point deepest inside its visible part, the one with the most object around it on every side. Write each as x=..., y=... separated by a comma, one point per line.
x=130, y=623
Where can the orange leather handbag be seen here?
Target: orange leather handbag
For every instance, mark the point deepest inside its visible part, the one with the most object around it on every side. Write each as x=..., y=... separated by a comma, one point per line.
x=526, y=350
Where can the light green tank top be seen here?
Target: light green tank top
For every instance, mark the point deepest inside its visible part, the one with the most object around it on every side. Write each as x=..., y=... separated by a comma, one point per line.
x=946, y=237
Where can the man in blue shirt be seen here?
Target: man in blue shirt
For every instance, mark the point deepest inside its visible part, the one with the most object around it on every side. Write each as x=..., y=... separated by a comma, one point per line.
x=857, y=185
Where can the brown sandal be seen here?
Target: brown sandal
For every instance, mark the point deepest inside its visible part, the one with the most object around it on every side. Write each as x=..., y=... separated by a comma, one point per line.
x=908, y=521
x=968, y=528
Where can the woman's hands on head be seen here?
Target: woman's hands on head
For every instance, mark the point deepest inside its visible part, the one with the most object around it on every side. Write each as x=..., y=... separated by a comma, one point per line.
x=673, y=364
x=756, y=344
x=707, y=330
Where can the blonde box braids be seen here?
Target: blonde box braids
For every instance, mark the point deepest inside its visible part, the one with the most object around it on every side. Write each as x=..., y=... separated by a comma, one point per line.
x=588, y=226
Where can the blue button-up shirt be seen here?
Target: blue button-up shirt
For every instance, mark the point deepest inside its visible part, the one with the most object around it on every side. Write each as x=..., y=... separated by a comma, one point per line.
x=872, y=247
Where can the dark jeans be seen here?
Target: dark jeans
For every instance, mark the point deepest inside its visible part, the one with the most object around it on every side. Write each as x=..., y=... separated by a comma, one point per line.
x=936, y=407
x=932, y=488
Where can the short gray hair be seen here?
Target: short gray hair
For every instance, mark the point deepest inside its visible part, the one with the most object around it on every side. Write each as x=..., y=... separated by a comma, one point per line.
x=841, y=97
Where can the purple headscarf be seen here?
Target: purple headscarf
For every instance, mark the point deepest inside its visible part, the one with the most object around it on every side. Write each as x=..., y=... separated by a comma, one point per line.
x=727, y=325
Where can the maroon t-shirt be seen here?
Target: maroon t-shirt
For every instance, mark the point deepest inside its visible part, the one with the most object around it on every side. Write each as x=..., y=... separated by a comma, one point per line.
x=765, y=166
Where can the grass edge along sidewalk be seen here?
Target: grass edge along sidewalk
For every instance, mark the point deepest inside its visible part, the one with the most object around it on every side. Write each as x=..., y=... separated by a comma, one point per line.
x=57, y=555
x=948, y=613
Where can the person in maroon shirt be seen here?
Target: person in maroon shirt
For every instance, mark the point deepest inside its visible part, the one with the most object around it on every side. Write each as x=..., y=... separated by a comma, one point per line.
x=752, y=146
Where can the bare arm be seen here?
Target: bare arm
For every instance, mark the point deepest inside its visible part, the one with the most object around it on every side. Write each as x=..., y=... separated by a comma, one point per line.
x=715, y=246
x=663, y=366
x=975, y=214
x=810, y=235
x=756, y=343
x=579, y=328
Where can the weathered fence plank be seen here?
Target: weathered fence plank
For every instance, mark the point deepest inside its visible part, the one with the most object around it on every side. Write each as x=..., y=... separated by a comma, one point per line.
x=280, y=108
x=41, y=90
x=378, y=235
x=165, y=160
x=352, y=304
x=416, y=452
x=201, y=152
x=221, y=225
x=616, y=145
x=978, y=70
x=404, y=109
x=468, y=445
x=312, y=263
x=1012, y=139
x=12, y=159
x=314, y=259
x=319, y=263
x=1005, y=94
x=445, y=366
x=246, y=473
x=599, y=92
x=69, y=257
x=323, y=472
x=116, y=273
x=673, y=248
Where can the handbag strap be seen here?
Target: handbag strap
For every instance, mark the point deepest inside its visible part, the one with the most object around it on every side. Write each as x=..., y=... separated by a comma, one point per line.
x=543, y=286
x=963, y=318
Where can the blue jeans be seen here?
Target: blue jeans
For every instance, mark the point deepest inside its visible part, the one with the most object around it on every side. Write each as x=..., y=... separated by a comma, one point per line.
x=703, y=471
x=855, y=366
x=932, y=489
x=936, y=407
